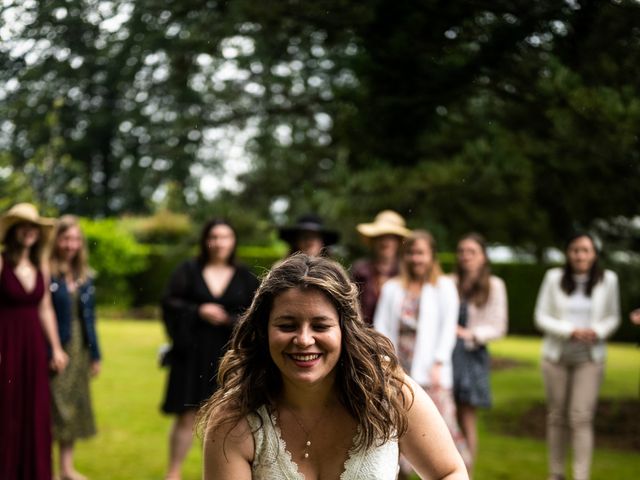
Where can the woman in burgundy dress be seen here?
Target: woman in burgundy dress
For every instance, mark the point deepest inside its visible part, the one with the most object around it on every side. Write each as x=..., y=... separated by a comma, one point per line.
x=27, y=322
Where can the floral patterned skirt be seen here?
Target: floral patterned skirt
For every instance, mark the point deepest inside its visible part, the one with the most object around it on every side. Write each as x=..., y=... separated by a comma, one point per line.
x=70, y=397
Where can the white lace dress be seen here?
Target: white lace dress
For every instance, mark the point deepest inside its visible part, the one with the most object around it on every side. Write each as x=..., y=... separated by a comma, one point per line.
x=272, y=460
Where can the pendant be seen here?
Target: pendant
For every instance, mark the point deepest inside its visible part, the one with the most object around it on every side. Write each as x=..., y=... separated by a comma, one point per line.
x=306, y=449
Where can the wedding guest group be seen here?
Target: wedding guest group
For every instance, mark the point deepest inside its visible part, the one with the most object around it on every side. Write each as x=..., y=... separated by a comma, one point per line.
x=377, y=371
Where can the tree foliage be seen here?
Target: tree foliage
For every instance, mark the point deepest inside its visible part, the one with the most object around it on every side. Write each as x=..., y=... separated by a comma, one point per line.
x=515, y=118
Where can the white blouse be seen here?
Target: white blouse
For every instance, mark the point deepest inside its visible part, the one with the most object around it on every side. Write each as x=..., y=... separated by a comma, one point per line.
x=578, y=310
x=272, y=460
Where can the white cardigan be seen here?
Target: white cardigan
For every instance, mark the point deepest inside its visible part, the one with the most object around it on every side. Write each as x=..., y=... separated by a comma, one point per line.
x=436, y=330
x=550, y=317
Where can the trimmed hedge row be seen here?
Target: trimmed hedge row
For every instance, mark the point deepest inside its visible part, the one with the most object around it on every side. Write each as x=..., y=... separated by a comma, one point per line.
x=522, y=281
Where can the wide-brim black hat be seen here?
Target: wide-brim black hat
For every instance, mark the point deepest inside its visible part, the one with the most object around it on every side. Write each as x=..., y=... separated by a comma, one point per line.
x=308, y=223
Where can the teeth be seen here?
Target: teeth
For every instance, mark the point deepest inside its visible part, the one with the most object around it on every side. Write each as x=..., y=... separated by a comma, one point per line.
x=306, y=358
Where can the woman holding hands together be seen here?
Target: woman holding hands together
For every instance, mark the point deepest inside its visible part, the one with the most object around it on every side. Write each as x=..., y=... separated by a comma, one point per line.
x=577, y=309
x=204, y=298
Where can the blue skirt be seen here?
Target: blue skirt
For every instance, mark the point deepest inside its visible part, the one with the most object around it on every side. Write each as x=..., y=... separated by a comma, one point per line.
x=471, y=375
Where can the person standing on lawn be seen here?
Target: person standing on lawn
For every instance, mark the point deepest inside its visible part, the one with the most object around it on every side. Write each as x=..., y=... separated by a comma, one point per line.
x=73, y=297
x=384, y=236
x=203, y=300
x=27, y=325
x=308, y=235
x=418, y=312
x=577, y=309
x=482, y=318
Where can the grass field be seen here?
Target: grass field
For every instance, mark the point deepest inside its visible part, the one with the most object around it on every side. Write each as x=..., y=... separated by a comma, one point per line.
x=131, y=443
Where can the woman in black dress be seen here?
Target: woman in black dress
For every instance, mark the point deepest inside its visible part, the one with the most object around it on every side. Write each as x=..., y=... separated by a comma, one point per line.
x=204, y=298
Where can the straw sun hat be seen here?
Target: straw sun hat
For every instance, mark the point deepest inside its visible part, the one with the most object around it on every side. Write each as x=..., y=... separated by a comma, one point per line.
x=387, y=222
x=26, y=212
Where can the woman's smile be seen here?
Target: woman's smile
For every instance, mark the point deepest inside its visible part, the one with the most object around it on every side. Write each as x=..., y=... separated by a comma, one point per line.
x=304, y=335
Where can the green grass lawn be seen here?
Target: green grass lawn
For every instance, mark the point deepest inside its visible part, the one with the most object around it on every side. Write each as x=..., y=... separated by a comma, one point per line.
x=514, y=389
x=132, y=438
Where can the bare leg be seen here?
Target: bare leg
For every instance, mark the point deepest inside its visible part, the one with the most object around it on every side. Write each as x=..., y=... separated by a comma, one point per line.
x=67, y=471
x=468, y=420
x=180, y=439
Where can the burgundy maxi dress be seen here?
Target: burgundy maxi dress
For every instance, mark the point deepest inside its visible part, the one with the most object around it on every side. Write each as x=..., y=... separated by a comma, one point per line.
x=25, y=418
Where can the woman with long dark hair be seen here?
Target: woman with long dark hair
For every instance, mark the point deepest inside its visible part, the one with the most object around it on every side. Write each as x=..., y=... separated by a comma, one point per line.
x=482, y=318
x=577, y=309
x=202, y=303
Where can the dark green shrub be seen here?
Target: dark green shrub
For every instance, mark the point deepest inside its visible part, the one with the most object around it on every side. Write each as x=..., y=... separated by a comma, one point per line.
x=163, y=227
x=115, y=255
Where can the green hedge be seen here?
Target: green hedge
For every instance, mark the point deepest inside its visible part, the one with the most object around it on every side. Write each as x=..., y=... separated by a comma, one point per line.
x=134, y=274
x=115, y=255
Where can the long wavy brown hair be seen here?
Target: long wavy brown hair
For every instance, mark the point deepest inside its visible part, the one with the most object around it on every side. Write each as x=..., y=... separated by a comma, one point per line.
x=478, y=290
x=80, y=263
x=369, y=381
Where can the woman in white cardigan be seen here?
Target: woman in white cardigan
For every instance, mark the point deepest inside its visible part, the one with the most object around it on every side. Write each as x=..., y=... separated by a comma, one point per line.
x=418, y=311
x=578, y=307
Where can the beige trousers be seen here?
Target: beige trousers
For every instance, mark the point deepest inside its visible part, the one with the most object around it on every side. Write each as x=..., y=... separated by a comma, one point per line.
x=572, y=395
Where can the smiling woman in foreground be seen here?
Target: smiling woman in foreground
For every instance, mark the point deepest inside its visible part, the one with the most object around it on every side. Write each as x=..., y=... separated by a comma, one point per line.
x=308, y=391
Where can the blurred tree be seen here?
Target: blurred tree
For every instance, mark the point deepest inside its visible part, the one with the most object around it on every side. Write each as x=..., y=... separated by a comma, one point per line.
x=513, y=118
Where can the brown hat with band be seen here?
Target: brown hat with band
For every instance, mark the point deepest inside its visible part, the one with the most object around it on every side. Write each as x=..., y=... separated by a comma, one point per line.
x=387, y=222
x=28, y=213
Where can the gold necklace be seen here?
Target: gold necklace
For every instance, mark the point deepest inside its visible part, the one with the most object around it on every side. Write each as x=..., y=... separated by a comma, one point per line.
x=307, y=442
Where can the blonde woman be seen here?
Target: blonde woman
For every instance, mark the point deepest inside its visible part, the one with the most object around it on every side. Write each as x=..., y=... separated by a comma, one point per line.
x=73, y=296
x=418, y=312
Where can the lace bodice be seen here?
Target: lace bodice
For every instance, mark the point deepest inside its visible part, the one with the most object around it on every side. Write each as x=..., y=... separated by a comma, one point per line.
x=272, y=460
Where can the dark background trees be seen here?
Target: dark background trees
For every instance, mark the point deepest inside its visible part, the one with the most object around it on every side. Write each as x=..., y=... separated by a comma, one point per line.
x=515, y=118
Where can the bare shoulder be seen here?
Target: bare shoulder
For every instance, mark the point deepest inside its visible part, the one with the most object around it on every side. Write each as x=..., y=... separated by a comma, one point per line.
x=228, y=447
